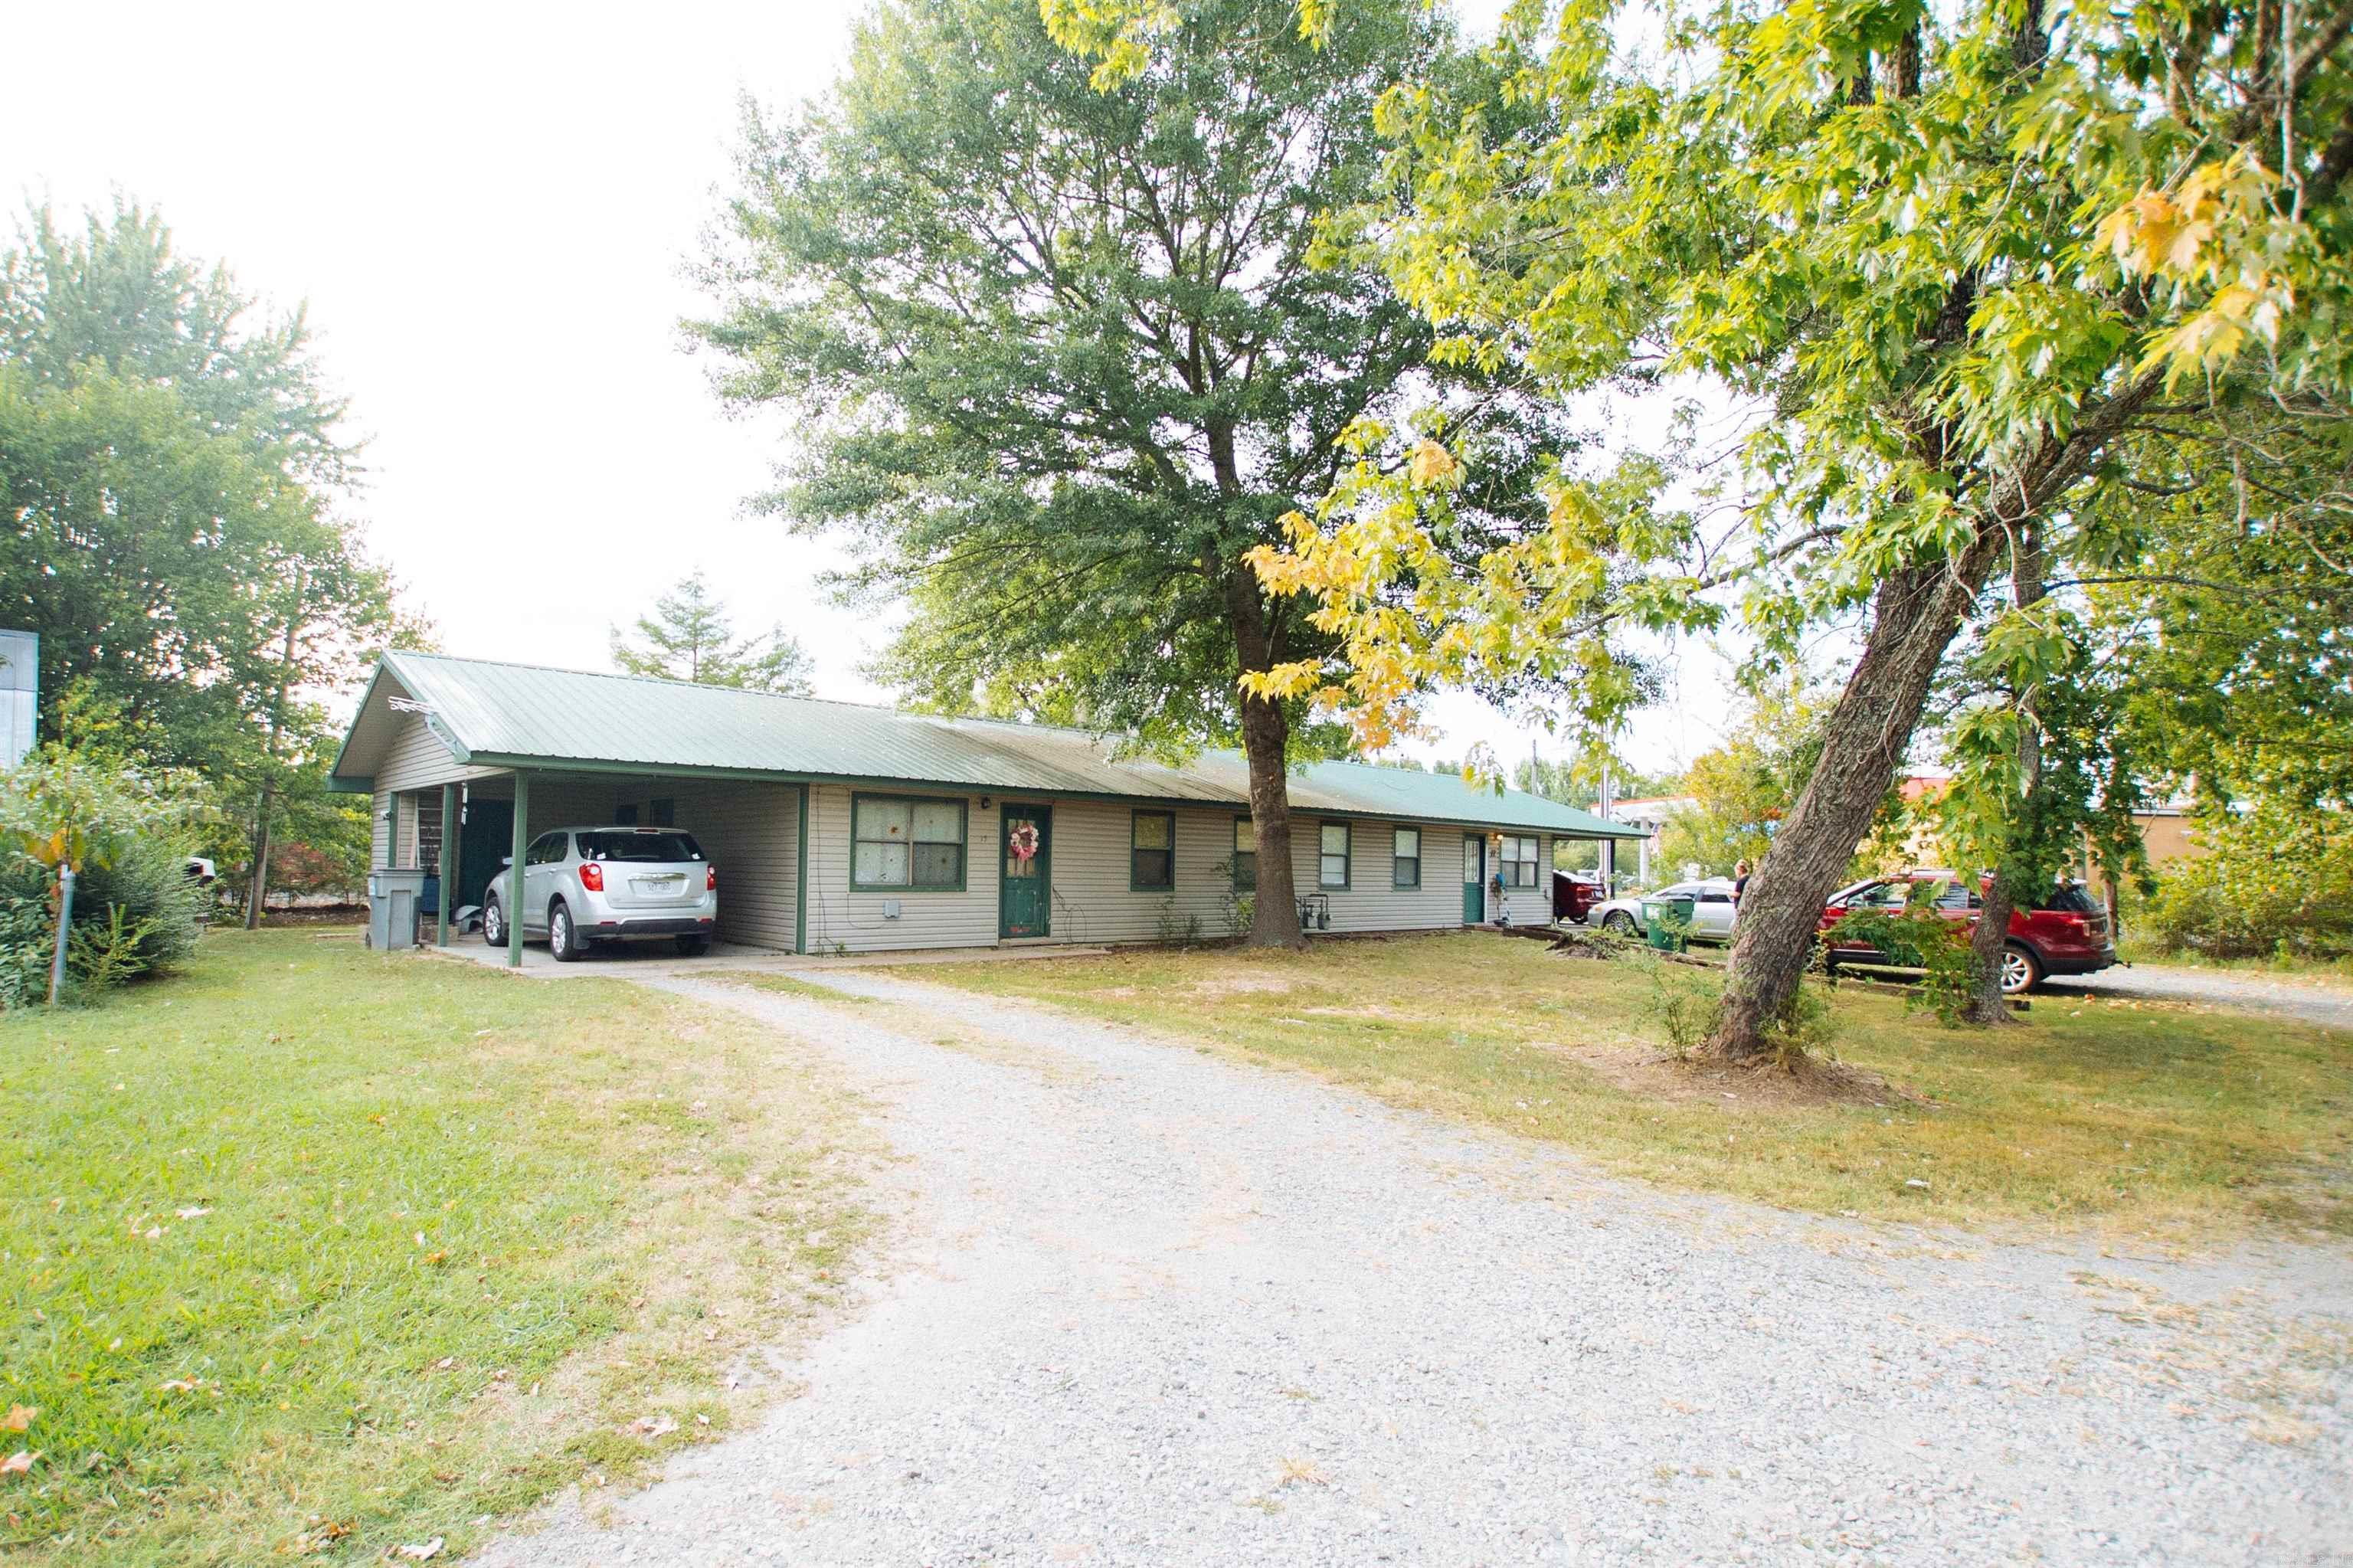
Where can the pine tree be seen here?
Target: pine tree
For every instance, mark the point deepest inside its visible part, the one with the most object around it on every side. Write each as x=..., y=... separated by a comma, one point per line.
x=688, y=637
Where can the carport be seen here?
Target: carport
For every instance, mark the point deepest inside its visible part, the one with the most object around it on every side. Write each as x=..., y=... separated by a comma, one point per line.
x=750, y=829
x=448, y=806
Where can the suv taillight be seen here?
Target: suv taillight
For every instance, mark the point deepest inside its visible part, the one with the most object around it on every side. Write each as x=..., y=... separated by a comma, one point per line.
x=710, y=879
x=592, y=878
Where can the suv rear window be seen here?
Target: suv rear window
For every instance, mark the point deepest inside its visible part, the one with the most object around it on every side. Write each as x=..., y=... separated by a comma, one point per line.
x=662, y=848
x=2068, y=901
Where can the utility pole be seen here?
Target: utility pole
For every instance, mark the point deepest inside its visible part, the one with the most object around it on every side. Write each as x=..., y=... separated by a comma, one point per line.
x=1608, y=846
x=259, y=888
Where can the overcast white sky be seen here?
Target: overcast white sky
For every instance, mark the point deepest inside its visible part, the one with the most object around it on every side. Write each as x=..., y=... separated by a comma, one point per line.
x=487, y=210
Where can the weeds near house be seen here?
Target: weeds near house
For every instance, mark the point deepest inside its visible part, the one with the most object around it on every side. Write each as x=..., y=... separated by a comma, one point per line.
x=1682, y=1002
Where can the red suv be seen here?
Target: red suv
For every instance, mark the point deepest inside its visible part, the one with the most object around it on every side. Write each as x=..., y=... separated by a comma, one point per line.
x=1575, y=895
x=2064, y=933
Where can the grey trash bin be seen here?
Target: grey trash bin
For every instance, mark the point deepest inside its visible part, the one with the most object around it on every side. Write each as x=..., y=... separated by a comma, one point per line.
x=392, y=908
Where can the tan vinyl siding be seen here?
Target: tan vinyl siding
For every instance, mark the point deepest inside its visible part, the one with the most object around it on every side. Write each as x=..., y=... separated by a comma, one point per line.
x=414, y=759
x=746, y=828
x=1091, y=900
x=1369, y=903
x=841, y=920
x=747, y=831
x=380, y=830
x=1532, y=906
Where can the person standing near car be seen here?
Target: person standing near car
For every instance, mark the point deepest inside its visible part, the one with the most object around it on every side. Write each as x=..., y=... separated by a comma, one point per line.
x=1739, y=881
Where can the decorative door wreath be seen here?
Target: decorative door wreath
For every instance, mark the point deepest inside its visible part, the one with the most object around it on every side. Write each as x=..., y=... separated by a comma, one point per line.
x=1022, y=840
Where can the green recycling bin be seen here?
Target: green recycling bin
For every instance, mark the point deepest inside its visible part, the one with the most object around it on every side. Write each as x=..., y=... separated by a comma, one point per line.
x=1667, y=921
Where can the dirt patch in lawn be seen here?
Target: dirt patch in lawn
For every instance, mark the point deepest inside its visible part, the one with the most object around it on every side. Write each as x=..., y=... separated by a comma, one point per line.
x=1762, y=1086
x=1243, y=982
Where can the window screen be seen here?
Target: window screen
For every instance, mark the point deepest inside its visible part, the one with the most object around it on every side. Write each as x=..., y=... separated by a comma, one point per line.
x=1520, y=853
x=1245, y=853
x=1332, y=859
x=907, y=844
x=1404, y=862
x=1152, y=851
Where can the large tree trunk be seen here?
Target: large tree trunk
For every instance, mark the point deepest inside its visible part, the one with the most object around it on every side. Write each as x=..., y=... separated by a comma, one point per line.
x=257, y=889
x=1986, y=1006
x=1992, y=929
x=1914, y=617
x=1266, y=744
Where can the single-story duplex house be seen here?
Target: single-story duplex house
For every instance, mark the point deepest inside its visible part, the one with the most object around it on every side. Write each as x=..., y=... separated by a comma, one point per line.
x=840, y=827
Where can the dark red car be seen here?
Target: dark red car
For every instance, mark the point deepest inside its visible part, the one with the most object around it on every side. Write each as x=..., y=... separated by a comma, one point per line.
x=2064, y=933
x=1574, y=895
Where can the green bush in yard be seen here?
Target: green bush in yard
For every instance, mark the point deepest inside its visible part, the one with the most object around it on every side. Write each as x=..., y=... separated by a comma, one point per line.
x=2276, y=881
x=144, y=896
x=134, y=909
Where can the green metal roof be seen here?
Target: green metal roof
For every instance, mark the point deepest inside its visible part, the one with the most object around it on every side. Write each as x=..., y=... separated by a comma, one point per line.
x=505, y=716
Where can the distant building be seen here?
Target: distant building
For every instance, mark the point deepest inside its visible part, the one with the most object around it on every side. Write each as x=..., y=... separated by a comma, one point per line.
x=20, y=693
x=1650, y=814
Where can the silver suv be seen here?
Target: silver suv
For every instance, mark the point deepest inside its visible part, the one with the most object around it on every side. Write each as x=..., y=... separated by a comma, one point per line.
x=585, y=885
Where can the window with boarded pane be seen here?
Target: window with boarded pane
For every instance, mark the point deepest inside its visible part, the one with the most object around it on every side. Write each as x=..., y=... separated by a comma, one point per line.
x=1405, y=858
x=1245, y=854
x=902, y=843
x=1520, y=860
x=1332, y=856
x=1152, y=851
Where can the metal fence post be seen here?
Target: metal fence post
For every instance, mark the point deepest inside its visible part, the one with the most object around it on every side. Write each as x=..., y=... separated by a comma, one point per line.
x=65, y=917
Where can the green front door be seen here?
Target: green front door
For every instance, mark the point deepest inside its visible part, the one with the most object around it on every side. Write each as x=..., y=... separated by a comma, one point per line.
x=1474, y=880
x=486, y=839
x=1025, y=897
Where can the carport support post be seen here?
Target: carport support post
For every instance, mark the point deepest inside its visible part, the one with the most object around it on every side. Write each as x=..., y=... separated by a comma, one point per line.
x=449, y=861
x=515, y=882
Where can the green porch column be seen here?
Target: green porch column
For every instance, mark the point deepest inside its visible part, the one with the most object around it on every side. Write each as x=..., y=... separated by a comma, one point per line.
x=800, y=877
x=514, y=884
x=449, y=861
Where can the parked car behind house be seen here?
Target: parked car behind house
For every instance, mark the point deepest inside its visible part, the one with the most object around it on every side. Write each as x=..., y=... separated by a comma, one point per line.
x=1712, y=909
x=586, y=885
x=2065, y=933
x=1574, y=895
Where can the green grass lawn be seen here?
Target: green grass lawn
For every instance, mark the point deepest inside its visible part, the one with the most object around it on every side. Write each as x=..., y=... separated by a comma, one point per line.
x=316, y=1252
x=2183, y=1122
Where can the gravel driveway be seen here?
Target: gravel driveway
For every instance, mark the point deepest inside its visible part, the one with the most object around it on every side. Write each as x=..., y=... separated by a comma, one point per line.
x=1146, y=1307
x=2315, y=1000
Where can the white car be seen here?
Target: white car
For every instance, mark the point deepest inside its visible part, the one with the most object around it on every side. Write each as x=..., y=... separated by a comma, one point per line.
x=586, y=885
x=1712, y=909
